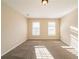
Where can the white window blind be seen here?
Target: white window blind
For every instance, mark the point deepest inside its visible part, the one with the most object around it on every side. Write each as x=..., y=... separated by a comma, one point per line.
x=35, y=28
x=51, y=28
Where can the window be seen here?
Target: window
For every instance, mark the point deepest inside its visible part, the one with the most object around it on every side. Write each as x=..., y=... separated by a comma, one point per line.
x=51, y=28
x=35, y=28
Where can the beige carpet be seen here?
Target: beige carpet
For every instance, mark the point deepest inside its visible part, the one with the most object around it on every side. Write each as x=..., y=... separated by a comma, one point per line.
x=42, y=50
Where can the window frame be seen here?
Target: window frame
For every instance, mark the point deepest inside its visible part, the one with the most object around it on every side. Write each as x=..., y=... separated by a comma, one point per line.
x=51, y=25
x=34, y=25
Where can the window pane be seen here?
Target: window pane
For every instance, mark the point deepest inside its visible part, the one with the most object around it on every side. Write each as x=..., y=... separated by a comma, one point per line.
x=51, y=28
x=35, y=28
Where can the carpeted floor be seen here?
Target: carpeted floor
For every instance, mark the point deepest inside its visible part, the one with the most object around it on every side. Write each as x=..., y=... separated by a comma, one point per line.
x=42, y=50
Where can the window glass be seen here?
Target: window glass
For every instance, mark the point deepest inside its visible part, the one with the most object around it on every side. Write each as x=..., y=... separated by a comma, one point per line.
x=35, y=28
x=51, y=28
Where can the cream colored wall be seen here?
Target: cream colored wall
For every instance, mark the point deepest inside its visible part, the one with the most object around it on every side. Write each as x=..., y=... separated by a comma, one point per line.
x=43, y=28
x=13, y=29
x=69, y=29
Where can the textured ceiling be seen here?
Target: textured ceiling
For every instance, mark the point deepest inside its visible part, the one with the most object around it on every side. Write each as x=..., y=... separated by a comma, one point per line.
x=34, y=8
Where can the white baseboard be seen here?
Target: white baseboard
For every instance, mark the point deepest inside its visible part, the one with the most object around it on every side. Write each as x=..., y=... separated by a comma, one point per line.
x=43, y=39
x=12, y=48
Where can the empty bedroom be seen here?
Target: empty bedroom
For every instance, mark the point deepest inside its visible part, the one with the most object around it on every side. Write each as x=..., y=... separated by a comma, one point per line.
x=39, y=29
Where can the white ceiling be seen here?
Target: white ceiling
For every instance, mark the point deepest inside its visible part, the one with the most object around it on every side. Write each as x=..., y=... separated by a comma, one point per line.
x=34, y=8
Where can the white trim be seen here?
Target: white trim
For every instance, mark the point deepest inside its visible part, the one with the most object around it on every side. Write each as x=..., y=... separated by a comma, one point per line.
x=12, y=48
